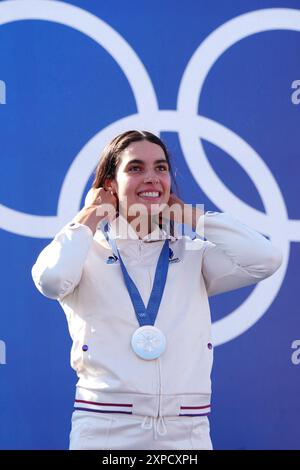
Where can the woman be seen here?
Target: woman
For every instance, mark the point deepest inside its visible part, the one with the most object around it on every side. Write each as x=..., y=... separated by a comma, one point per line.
x=135, y=294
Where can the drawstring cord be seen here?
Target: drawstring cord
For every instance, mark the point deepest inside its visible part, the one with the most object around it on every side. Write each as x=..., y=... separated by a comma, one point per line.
x=158, y=424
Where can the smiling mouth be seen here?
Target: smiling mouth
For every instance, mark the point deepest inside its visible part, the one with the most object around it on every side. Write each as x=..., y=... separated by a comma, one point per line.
x=149, y=195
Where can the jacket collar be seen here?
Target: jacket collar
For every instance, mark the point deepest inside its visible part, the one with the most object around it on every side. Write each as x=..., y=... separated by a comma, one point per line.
x=122, y=230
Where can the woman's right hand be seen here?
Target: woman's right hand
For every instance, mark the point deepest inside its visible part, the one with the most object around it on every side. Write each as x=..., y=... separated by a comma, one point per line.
x=99, y=204
x=98, y=196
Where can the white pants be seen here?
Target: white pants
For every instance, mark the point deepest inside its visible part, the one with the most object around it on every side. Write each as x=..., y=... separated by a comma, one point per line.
x=109, y=431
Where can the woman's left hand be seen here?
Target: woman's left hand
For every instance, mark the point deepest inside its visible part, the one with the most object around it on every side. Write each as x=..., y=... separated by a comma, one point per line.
x=179, y=212
x=173, y=199
x=174, y=209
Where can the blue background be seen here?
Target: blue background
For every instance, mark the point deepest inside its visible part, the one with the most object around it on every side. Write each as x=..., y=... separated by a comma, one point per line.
x=62, y=88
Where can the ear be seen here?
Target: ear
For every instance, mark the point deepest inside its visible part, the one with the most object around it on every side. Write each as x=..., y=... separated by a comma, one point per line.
x=110, y=185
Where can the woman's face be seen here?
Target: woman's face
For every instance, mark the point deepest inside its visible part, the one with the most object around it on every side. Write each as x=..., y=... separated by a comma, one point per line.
x=142, y=176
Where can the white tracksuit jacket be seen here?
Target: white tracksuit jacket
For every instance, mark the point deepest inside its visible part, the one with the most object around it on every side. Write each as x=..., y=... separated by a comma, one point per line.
x=73, y=269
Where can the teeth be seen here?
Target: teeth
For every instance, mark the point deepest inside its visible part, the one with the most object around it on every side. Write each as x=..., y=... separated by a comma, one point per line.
x=149, y=194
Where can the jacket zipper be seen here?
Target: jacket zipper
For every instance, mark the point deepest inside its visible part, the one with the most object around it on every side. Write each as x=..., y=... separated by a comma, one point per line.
x=158, y=360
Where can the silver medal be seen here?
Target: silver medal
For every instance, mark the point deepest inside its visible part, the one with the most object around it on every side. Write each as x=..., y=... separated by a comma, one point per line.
x=148, y=342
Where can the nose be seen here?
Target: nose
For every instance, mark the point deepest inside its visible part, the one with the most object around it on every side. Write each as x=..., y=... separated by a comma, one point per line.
x=151, y=178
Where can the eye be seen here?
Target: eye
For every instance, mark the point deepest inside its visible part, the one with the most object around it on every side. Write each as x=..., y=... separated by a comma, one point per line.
x=134, y=168
x=163, y=168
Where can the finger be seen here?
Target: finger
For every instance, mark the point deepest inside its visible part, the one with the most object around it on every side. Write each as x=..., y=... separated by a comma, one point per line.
x=89, y=197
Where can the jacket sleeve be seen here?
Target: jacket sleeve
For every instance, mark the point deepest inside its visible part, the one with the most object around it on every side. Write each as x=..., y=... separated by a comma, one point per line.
x=58, y=268
x=235, y=255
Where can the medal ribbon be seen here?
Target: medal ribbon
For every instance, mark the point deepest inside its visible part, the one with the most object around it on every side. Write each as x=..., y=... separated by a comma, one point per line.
x=145, y=315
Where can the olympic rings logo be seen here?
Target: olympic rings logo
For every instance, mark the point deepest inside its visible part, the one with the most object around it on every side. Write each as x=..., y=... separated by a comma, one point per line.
x=190, y=127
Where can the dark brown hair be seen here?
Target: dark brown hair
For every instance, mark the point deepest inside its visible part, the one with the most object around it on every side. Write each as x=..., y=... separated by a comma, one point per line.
x=110, y=156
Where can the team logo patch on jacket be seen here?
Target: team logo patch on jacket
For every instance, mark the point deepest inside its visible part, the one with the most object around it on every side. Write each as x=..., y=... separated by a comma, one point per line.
x=171, y=257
